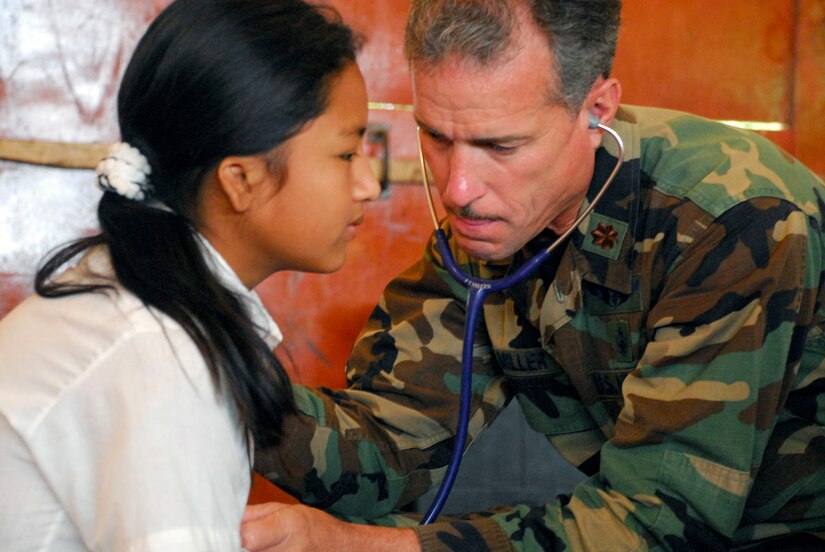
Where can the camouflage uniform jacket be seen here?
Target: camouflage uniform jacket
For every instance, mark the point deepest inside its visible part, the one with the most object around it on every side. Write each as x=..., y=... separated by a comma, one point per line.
x=676, y=356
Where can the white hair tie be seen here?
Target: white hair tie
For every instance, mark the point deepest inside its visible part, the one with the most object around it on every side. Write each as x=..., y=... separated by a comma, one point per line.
x=125, y=171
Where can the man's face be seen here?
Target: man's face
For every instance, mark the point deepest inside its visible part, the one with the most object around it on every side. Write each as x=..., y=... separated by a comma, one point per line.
x=506, y=160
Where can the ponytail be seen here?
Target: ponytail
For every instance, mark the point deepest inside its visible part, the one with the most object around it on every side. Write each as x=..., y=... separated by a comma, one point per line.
x=156, y=255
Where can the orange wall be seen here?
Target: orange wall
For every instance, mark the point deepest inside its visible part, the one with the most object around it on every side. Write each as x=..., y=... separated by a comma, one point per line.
x=726, y=60
x=808, y=114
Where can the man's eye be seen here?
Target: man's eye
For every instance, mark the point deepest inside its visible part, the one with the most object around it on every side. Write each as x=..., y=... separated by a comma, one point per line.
x=501, y=149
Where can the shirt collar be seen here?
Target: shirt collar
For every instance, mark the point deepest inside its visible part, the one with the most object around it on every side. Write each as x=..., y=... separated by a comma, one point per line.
x=266, y=326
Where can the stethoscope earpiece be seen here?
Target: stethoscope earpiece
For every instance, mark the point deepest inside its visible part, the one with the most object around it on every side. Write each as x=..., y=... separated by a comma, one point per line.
x=594, y=121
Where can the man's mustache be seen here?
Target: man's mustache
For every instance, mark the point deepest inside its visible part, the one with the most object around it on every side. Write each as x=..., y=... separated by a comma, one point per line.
x=467, y=212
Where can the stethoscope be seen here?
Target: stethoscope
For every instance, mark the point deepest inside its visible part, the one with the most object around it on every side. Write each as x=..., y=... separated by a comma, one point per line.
x=478, y=290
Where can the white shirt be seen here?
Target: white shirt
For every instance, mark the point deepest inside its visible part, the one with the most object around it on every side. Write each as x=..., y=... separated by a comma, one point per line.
x=112, y=436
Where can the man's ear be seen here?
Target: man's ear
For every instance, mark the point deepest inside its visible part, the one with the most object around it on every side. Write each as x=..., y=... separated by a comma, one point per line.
x=603, y=103
x=240, y=179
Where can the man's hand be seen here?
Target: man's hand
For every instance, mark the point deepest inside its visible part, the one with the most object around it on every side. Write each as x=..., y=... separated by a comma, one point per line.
x=277, y=527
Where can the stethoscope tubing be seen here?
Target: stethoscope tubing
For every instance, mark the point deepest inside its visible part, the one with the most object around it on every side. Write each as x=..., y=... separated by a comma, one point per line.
x=478, y=289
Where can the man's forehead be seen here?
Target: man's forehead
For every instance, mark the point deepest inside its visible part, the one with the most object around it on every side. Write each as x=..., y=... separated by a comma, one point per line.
x=471, y=106
x=524, y=78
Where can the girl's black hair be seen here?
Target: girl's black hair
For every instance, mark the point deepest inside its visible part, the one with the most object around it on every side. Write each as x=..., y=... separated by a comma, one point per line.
x=210, y=79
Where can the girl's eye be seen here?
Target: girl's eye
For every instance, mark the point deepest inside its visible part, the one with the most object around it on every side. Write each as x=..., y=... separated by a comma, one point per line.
x=348, y=156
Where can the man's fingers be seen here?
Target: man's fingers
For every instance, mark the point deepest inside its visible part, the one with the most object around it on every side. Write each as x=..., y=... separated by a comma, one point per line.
x=264, y=527
x=256, y=511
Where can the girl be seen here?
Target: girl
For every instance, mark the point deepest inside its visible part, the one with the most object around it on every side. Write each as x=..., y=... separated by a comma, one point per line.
x=133, y=384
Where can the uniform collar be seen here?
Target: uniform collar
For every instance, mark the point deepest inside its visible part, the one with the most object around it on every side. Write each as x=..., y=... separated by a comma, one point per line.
x=603, y=247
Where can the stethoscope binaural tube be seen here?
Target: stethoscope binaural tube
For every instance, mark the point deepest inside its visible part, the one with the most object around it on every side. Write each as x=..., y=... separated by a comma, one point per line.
x=478, y=289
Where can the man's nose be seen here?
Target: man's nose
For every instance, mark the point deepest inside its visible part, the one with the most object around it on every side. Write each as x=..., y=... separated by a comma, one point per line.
x=463, y=183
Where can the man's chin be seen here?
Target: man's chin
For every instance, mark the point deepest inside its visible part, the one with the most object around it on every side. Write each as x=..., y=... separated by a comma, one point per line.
x=485, y=251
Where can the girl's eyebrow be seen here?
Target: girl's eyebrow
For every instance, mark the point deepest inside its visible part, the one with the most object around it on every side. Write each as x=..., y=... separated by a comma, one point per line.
x=358, y=131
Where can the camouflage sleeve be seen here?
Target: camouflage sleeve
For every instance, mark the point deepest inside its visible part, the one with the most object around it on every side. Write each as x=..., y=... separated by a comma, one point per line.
x=385, y=440
x=727, y=330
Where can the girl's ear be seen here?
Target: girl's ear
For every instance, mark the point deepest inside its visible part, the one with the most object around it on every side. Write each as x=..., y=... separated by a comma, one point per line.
x=240, y=179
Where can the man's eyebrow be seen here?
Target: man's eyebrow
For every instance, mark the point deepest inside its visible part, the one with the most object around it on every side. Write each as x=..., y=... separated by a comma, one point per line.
x=428, y=130
x=497, y=140
x=477, y=141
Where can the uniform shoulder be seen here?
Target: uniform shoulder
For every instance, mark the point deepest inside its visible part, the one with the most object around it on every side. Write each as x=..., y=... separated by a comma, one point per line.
x=717, y=165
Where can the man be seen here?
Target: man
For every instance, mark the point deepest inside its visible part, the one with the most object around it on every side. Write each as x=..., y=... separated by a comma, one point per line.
x=673, y=350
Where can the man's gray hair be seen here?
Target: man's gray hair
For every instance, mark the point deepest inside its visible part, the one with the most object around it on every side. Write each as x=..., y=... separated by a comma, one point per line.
x=581, y=34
